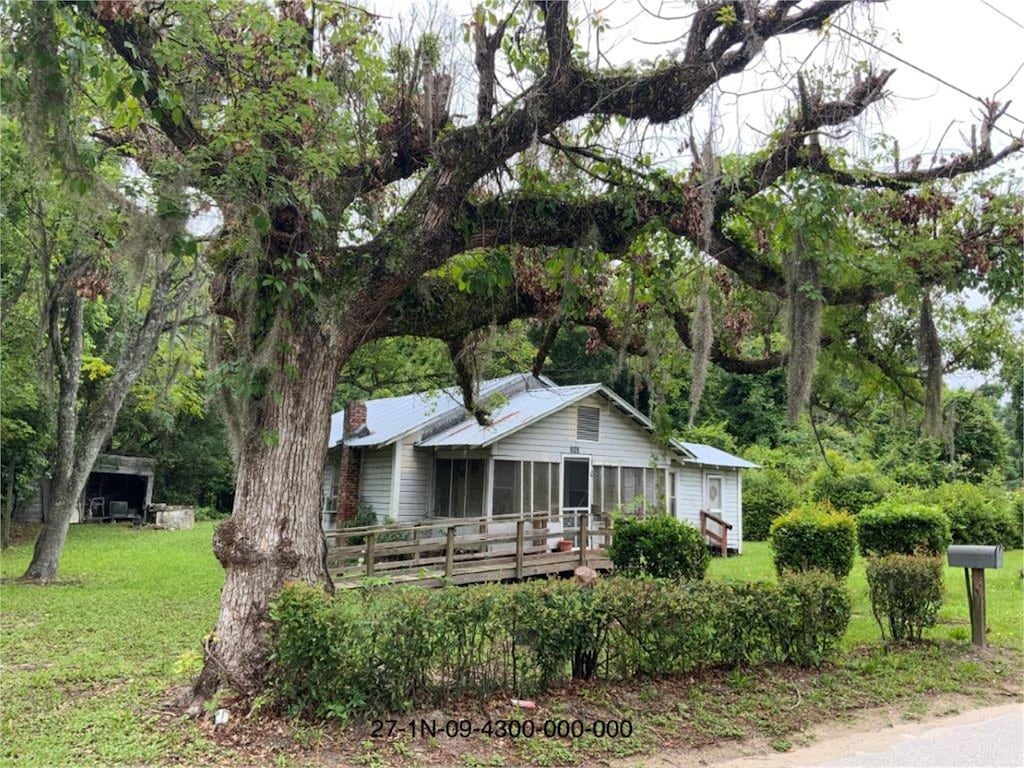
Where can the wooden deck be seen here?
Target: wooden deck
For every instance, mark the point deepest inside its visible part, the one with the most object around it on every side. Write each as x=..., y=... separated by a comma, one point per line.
x=435, y=552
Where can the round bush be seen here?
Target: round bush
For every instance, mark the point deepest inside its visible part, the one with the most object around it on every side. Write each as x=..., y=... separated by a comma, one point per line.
x=906, y=594
x=849, y=489
x=814, y=538
x=892, y=528
x=977, y=514
x=767, y=494
x=659, y=546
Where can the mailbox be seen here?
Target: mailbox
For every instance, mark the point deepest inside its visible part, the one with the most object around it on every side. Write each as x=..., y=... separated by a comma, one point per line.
x=974, y=556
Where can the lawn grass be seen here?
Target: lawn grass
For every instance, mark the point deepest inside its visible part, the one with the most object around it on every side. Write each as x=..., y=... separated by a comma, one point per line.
x=86, y=663
x=1004, y=592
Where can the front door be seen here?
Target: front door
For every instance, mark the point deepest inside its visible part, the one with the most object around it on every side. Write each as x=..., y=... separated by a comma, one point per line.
x=575, y=490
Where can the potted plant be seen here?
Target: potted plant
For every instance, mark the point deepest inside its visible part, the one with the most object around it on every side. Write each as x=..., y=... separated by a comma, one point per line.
x=565, y=545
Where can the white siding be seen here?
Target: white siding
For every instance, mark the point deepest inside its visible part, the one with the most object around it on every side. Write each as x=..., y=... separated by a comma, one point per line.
x=375, y=479
x=622, y=441
x=690, y=490
x=417, y=475
x=691, y=498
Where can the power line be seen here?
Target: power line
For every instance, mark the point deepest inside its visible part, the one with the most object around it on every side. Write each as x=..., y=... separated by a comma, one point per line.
x=932, y=75
x=1005, y=15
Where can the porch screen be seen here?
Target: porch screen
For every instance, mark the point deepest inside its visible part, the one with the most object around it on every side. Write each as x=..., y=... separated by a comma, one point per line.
x=459, y=488
x=508, y=487
x=632, y=484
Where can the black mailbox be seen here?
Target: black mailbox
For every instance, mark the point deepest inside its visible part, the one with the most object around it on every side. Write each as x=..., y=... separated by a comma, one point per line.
x=975, y=556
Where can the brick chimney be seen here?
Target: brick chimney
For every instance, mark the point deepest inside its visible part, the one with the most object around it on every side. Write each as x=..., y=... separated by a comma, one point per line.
x=351, y=459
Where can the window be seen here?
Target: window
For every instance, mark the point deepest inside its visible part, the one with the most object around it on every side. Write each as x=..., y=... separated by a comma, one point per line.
x=659, y=488
x=672, y=493
x=459, y=487
x=330, y=497
x=713, y=493
x=588, y=423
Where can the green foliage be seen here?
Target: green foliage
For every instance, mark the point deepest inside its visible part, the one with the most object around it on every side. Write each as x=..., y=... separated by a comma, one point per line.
x=906, y=594
x=389, y=651
x=979, y=441
x=814, y=537
x=767, y=494
x=978, y=514
x=847, y=487
x=658, y=546
x=898, y=528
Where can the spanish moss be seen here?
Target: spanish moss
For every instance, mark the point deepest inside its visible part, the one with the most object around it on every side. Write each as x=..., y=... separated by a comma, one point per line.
x=703, y=337
x=929, y=355
x=803, y=321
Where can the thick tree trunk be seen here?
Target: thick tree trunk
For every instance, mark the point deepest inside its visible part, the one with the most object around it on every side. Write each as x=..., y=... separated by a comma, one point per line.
x=274, y=533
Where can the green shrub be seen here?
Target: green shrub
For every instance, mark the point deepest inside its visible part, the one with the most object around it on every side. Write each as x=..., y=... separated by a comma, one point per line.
x=376, y=652
x=209, y=513
x=906, y=594
x=893, y=528
x=814, y=538
x=659, y=546
x=977, y=514
x=767, y=494
x=849, y=488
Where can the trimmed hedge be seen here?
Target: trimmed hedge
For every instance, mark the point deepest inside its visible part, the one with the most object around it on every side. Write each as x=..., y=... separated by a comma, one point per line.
x=814, y=538
x=892, y=528
x=659, y=546
x=767, y=494
x=906, y=594
x=389, y=651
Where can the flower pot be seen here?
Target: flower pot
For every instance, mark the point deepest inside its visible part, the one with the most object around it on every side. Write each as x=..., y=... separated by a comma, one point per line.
x=565, y=545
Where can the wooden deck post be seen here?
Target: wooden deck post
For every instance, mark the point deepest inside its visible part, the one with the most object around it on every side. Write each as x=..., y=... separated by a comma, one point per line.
x=449, y=552
x=520, y=531
x=371, y=552
x=584, y=536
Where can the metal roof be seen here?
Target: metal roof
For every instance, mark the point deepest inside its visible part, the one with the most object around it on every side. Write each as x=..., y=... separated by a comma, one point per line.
x=390, y=418
x=707, y=454
x=520, y=410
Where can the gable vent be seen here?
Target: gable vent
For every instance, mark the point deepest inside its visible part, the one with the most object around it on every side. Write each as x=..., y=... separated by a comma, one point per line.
x=588, y=423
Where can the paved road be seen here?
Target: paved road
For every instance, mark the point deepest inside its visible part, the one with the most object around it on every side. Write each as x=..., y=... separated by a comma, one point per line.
x=985, y=738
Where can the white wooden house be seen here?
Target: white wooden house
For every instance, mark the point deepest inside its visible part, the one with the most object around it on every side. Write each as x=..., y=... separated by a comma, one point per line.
x=551, y=450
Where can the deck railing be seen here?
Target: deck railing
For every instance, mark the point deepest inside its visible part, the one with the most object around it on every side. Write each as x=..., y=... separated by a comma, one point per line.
x=715, y=531
x=466, y=550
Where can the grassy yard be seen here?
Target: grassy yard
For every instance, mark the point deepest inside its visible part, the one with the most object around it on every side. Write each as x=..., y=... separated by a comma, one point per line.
x=1004, y=590
x=88, y=665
